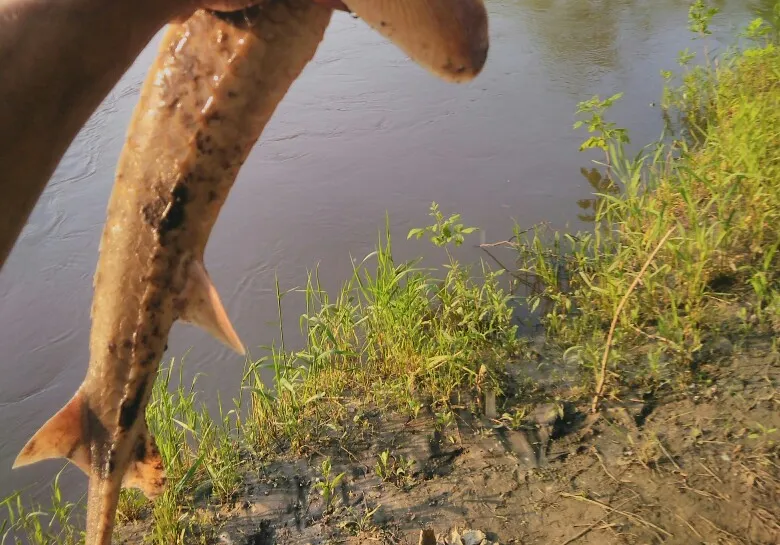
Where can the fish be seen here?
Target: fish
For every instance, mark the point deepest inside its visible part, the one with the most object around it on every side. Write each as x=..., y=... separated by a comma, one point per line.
x=214, y=85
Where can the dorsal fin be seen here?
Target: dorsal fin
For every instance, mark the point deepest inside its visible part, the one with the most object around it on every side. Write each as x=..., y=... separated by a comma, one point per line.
x=202, y=306
x=146, y=471
x=447, y=37
x=62, y=436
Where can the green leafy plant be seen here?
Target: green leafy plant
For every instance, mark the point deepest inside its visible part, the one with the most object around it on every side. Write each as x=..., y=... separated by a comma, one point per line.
x=394, y=469
x=328, y=484
x=605, y=131
x=443, y=231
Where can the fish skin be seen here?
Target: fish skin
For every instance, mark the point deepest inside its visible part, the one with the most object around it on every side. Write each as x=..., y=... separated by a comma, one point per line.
x=449, y=38
x=215, y=84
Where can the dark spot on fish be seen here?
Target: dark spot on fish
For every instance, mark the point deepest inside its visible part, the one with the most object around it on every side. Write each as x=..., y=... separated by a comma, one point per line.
x=140, y=449
x=181, y=193
x=127, y=343
x=98, y=442
x=382, y=23
x=232, y=94
x=148, y=360
x=243, y=18
x=166, y=347
x=128, y=412
x=111, y=463
x=201, y=144
x=174, y=215
x=156, y=333
x=145, y=339
x=112, y=348
x=212, y=196
x=212, y=116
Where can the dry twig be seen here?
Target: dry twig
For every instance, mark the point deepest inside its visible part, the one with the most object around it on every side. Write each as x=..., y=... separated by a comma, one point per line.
x=603, y=374
x=708, y=470
x=632, y=516
x=719, y=529
x=604, y=467
x=592, y=526
x=668, y=456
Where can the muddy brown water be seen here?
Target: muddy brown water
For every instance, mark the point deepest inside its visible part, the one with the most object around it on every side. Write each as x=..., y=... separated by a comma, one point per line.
x=362, y=132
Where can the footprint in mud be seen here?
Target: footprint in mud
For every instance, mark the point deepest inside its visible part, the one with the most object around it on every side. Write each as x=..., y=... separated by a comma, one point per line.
x=264, y=536
x=531, y=444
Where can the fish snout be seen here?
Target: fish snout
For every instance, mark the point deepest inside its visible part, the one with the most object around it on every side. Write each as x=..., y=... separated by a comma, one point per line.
x=449, y=38
x=475, y=44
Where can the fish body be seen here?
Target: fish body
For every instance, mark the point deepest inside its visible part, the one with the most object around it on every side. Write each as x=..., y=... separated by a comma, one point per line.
x=216, y=82
x=214, y=86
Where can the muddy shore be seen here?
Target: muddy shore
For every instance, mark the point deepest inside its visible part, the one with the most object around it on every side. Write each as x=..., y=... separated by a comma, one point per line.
x=695, y=467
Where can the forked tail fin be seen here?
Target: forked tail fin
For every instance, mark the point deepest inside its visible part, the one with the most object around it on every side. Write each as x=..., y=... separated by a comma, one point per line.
x=66, y=435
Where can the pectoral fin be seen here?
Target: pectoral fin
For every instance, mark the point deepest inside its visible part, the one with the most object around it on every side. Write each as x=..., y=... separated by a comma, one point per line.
x=202, y=306
x=62, y=436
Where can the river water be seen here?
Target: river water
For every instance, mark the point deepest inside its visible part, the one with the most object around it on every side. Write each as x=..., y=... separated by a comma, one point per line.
x=362, y=132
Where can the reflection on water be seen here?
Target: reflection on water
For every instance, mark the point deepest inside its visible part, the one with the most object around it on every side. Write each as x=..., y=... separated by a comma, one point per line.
x=361, y=133
x=601, y=185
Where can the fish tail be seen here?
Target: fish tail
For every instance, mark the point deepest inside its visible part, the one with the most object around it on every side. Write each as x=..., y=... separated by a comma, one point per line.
x=68, y=434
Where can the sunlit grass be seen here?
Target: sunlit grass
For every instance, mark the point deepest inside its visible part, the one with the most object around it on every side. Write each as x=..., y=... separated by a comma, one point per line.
x=715, y=189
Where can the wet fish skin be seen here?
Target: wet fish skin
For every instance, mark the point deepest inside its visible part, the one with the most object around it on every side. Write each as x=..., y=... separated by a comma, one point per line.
x=449, y=38
x=216, y=82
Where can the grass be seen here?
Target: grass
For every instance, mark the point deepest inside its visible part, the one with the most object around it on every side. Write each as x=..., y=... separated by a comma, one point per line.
x=684, y=249
x=693, y=227
x=59, y=522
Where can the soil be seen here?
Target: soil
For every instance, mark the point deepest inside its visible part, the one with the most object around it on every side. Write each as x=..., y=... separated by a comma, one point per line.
x=699, y=466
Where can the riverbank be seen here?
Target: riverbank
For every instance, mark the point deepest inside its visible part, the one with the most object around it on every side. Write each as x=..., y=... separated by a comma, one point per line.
x=646, y=412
